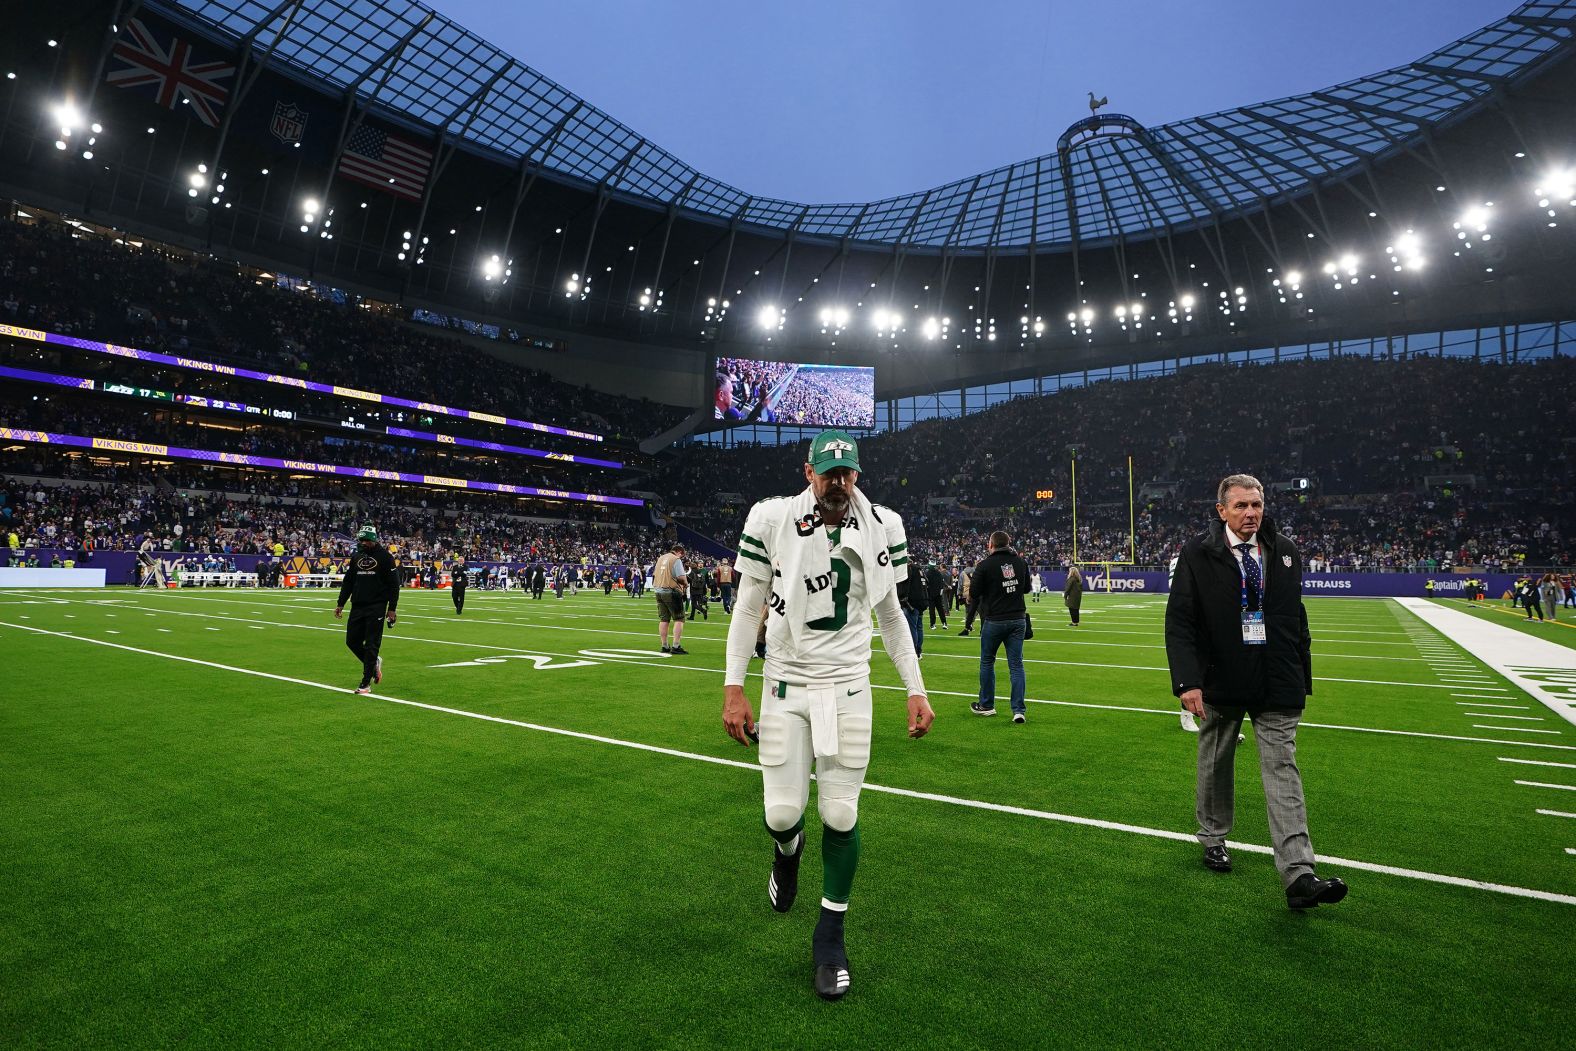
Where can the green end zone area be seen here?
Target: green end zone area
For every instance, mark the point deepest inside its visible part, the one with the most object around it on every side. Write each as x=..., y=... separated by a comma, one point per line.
x=193, y=853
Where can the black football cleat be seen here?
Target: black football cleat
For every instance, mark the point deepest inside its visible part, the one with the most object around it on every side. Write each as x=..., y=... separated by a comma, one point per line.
x=783, y=887
x=831, y=958
x=1309, y=891
x=679, y=651
x=1218, y=859
x=831, y=981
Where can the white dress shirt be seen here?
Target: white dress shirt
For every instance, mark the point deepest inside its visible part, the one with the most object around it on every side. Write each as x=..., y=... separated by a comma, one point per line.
x=1257, y=550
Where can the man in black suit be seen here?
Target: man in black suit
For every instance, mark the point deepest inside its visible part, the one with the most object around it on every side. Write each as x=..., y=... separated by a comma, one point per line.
x=1238, y=644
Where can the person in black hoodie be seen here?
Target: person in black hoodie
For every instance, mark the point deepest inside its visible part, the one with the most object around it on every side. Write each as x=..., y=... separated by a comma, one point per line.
x=1238, y=645
x=996, y=589
x=373, y=590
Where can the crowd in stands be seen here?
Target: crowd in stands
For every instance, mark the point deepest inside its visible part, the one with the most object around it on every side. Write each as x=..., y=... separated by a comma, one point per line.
x=1418, y=463
x=1415, y=462
x=96, y=417
x=120, y=516
x=61, y=280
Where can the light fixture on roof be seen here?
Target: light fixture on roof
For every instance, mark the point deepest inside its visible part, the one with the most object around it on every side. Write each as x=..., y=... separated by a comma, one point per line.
x=1557, y=189
x=1473, y=225
x=1407, y=252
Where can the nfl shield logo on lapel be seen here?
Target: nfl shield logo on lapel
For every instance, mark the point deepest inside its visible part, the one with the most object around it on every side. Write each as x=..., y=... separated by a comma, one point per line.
x=1286, y=561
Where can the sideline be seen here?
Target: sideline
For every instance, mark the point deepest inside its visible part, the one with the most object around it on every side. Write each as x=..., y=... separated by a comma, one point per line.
x=973, y=804
x=1545, y=671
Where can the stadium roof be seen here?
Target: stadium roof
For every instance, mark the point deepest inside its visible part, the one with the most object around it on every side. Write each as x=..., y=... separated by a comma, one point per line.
x=1110, y=177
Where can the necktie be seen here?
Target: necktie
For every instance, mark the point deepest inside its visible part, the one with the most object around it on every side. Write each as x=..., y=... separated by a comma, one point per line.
x=1251, y=575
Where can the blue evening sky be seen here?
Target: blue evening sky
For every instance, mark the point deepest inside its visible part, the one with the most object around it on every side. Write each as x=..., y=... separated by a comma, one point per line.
x=824, y=101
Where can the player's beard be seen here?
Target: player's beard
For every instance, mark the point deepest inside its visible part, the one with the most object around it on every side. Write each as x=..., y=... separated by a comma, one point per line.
x=833, y=503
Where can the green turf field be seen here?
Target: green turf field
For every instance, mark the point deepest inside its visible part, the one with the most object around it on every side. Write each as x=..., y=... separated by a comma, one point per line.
x=1560, y=628
x=556, y=844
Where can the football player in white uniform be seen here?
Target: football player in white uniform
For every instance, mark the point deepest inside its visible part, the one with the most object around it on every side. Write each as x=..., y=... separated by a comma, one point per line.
x=822, y=561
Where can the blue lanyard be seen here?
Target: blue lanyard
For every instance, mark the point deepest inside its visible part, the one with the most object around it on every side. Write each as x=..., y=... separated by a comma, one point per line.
x=1242, y=572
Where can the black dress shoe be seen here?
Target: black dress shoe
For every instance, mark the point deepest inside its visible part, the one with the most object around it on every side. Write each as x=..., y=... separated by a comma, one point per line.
x=1309, y=891
x=1217, y=859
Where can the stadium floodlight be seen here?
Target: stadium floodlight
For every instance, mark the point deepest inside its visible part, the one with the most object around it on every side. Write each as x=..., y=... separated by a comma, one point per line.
x=769, y=317
x=68, y=117
x=931, y=328
x=1557, y=185
x=1407, y=252
x=1188, y=301
x=1294, y=278
x=492, y=268
x=1473, y=220
x=1137, y=310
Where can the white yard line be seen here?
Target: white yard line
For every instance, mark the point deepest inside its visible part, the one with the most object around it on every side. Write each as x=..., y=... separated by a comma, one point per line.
x=1492, y=715
x=1536, y=762
x=1513, y=729
x=1545, y=784
x=1555, y=813
x=1479, y=704
x=1545, y=670
x=973, y=804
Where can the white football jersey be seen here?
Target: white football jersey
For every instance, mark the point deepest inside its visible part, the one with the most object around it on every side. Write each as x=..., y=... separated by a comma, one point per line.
x=836, y=647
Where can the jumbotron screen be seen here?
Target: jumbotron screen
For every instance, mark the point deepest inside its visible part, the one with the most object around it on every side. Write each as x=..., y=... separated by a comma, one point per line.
x=794, y=393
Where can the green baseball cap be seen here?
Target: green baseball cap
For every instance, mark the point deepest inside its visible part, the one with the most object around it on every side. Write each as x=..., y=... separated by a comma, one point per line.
x=368, y=532
x=832, y=449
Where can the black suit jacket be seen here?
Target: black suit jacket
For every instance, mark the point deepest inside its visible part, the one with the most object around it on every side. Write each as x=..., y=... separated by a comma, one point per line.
x=1204, y=644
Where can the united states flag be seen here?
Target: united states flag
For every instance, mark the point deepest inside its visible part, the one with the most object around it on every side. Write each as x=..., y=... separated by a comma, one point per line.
x=386, y=162
x=171, y=72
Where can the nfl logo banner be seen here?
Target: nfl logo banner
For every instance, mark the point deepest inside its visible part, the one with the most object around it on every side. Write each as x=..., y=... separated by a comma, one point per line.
x=289, y=123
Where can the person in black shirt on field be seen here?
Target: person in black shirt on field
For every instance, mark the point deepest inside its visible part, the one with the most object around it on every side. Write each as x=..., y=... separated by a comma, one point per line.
x=914, y=597
x=458, y=583
x=936, y=585
x=996, y=591
x=373, y=590
x=538, y=580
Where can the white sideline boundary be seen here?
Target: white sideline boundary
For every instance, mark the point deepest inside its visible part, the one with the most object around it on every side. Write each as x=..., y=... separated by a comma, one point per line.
x=1545, y=671
x=973, y=804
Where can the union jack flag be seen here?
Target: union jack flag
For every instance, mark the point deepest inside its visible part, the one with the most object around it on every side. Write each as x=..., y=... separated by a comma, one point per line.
x=171, y=72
